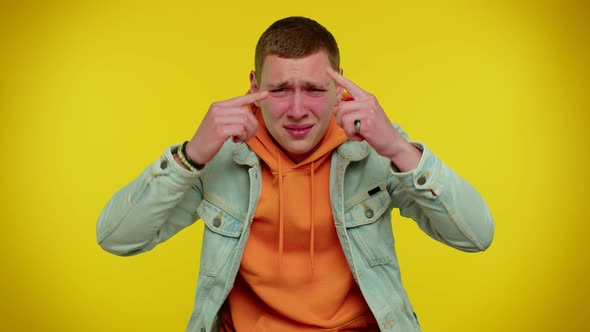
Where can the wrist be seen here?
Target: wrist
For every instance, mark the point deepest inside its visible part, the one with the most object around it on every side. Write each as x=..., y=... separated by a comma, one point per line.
x=398, y=148
x=405, y=157
x=185, y=159
x=190, y=152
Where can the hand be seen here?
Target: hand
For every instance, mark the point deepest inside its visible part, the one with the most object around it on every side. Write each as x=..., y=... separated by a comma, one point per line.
x=224, y=119
x=376, y=128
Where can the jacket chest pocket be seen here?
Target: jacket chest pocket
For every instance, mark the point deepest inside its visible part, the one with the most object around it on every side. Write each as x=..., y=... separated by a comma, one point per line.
x=220, y=237
x=368, y=221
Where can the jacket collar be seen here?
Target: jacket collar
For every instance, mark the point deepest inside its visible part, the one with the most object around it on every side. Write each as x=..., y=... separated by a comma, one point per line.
x=242, y=155
x=350, y=150
x=354, y=151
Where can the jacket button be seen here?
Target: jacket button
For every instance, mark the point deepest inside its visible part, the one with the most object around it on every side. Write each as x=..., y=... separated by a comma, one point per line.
x=369, y=213
x=164, y=164
x=217, y=222
x=421, y=180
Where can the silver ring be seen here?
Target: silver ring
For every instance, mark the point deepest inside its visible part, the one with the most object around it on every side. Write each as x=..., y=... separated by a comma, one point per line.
x=357, y=126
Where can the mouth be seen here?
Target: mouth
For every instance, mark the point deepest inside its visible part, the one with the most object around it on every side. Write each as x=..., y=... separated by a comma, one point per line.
x=299, y=130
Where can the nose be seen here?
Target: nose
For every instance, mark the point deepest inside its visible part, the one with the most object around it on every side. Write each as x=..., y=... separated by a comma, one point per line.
x=297, y=109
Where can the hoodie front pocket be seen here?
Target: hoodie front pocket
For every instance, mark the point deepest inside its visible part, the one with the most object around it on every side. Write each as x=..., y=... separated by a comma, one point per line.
x=368, y=221
x=220, y=237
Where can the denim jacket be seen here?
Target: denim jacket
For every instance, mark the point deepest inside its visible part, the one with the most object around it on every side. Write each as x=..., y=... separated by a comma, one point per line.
x=364, y=188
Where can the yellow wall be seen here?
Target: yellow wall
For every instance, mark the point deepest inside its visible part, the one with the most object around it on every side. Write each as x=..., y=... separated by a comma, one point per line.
x=90, y=94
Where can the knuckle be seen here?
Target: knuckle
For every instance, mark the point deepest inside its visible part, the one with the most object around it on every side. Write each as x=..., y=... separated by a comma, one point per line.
x=219, y=130
x=373, y=102
x=216, y=107
x=217, y=121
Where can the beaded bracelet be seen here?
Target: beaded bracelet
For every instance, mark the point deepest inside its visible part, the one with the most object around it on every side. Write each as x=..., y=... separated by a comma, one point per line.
x=186, y=161
x=183, y=160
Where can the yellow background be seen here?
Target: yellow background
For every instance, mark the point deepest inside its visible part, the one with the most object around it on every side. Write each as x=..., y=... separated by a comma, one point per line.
x=90, y=94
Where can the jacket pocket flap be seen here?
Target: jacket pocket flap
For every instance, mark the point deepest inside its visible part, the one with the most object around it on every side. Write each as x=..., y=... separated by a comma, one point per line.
x=367, y=207
x=218, y=220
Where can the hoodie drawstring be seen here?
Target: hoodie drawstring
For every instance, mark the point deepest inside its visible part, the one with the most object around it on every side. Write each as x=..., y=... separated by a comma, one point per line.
x=281, y=210
x=312, y=219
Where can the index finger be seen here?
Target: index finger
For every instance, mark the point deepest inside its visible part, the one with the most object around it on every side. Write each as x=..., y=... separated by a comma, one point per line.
x=248, y=99
x=352, y=88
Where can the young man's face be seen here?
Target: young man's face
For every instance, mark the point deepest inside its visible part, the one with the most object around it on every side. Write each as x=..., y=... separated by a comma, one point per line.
x=298, y=109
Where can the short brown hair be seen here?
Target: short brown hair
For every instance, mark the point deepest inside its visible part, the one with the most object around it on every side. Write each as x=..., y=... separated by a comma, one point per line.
x=295, y=37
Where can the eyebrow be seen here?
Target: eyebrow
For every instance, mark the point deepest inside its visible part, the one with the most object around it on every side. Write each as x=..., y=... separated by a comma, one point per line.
x=277, y=85
x=307, y=84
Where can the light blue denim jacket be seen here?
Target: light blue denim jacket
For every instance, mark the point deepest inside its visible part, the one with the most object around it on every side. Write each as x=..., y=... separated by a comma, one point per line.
x=364, y=189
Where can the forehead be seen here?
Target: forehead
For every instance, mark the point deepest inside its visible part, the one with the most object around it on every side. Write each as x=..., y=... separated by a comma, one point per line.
x=310, y=69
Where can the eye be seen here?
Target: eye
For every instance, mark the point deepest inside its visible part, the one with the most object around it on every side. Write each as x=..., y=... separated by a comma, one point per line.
x=316, y=91
x=278, y=92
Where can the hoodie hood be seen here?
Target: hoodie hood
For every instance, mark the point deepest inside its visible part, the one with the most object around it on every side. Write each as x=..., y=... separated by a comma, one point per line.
x=282, y=167
x=279, y=287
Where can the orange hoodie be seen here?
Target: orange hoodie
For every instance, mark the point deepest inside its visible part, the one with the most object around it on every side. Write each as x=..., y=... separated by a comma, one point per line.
x=294, y=275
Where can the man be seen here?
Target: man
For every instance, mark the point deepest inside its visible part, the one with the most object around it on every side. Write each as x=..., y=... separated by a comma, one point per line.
x=295, y=182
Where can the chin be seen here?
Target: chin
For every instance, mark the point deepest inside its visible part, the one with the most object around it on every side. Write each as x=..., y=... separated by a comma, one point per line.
x=294, y=148
x=297, y=152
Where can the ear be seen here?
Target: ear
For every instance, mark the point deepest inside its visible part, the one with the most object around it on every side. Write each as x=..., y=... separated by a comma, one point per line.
x=339, y=89
x=253, y=84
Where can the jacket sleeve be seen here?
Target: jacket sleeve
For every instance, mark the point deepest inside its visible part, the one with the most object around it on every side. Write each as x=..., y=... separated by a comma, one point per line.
x=444, y=205
x=151, y=209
